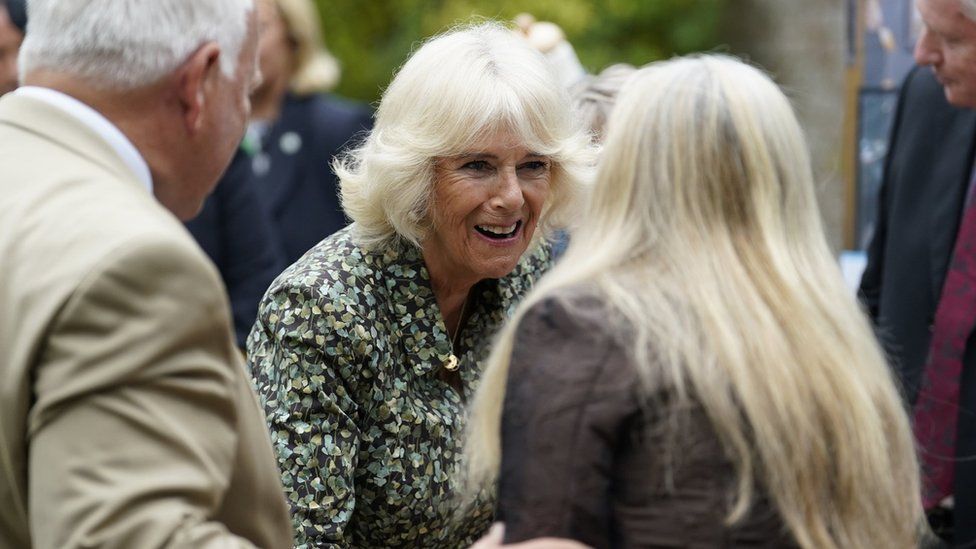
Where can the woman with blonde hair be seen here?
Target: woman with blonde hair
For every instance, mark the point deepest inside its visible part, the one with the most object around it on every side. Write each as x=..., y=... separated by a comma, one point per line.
x=695, y=373
x=297, y=127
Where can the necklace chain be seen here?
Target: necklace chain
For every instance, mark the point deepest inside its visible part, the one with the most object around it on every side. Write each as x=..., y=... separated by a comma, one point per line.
x=457, y=325
x=453, y=362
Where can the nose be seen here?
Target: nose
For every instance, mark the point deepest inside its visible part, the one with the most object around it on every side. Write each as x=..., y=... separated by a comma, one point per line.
x=926, y=51
x=508, y=195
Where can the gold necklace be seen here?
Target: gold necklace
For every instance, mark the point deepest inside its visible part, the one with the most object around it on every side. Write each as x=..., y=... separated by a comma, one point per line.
x=452, y=361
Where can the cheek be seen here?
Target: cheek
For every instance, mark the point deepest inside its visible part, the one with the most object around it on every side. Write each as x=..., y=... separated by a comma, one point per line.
x=960, y=59
x=455, y=199
x=536, y=196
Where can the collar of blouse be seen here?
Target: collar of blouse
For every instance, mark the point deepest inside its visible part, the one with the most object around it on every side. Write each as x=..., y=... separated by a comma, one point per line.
x=418, y=323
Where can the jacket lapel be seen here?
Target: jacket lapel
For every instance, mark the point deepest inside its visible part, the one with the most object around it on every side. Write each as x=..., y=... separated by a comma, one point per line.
x=949, y=183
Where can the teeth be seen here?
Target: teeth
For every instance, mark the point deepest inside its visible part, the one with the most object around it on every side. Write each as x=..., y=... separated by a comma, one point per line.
x=493, y=229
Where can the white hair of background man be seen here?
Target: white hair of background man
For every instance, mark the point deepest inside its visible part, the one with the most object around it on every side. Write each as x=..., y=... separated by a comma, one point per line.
x=125, y=44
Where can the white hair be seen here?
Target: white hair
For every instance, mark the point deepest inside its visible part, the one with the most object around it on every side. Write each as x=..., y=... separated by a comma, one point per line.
x=455, y=90
x=125, y=44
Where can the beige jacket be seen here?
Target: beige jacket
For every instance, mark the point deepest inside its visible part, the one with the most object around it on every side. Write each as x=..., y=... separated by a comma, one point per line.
x=126, y=417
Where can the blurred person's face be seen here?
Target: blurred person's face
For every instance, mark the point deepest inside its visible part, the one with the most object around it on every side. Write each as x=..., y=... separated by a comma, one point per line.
x=485, y=209
x=10, y=39
x=948, y=45
x=276, y=49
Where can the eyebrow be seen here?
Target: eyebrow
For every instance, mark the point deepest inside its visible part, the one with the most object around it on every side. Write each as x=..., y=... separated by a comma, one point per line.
x=494, y=156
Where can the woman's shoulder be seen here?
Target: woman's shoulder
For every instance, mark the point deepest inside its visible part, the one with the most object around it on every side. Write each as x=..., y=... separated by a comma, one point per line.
x=336, y=270
x=567, y=326
x=573, y=311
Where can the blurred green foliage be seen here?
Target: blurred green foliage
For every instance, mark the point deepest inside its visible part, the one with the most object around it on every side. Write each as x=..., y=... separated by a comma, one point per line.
x=372, y=38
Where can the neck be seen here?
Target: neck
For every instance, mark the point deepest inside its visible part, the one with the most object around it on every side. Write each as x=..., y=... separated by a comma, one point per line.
x=451, y=295
x=266, y=101
x=139, y=113
x=132, y=111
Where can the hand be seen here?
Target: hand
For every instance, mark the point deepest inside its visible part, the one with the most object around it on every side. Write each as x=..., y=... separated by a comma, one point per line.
x=497, y=533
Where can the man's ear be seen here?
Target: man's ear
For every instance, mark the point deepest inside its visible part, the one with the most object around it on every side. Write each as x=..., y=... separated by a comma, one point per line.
x=195, y=76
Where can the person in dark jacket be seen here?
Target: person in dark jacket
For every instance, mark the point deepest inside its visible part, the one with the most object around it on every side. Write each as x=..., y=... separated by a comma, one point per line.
x=297, y=128
x=236, y=233
x=919, y=253
x=695, y=373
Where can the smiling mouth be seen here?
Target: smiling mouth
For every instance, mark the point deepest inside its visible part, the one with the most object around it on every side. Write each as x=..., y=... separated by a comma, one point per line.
x=496, y=232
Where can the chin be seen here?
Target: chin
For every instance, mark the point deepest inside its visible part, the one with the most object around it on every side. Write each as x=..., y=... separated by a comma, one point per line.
x=188, y=211
x=499, y=269
x=965, y=99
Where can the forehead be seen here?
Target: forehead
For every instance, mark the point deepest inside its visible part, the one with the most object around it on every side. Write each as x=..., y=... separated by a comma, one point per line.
x=498, y=142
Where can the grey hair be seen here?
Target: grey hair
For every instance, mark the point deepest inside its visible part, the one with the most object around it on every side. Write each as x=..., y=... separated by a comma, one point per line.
x=456, y=89
x=125, y=44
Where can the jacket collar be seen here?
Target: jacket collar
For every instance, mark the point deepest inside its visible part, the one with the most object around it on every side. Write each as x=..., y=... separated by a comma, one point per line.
x=57, y=125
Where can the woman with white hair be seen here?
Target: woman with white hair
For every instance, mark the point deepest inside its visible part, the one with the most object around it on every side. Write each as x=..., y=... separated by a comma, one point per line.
x=695, y=373
x=367, y=348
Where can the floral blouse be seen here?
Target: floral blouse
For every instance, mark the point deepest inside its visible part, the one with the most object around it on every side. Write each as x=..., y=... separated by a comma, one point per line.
x=346, y=355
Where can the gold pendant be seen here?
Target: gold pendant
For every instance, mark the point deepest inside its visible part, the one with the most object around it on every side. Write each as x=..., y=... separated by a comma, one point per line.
x=451, y=364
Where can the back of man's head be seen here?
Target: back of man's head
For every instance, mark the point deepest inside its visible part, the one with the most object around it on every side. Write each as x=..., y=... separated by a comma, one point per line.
x=126, y=44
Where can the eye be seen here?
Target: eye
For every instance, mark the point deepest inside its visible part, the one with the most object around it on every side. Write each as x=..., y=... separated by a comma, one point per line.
x=477, y=166
x=534, y=166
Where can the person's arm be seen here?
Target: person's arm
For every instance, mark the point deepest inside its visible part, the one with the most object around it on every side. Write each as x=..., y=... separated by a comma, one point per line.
x=313, y=417
x=133, y=429
x=570, y=395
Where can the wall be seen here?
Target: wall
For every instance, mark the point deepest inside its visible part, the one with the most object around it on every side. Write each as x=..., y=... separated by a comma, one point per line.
x=803, y=44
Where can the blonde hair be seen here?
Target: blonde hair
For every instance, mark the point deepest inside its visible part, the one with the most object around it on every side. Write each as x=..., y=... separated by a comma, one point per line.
x=704, y=240
x=316, y=69
x=453, y=92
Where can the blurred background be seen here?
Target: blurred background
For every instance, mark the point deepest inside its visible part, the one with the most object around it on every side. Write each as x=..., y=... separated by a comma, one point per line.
x=840, y=61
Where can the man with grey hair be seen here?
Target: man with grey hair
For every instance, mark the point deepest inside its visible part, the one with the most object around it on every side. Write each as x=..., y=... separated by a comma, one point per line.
x=126, y=416
x=919, y=283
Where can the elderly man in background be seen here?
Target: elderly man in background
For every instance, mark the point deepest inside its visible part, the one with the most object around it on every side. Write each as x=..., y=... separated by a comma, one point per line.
x=126, y=419
x=917, y=285
x=13, y=19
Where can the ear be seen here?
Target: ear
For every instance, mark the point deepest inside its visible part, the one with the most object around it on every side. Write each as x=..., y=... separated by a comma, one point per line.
x=196, y=74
